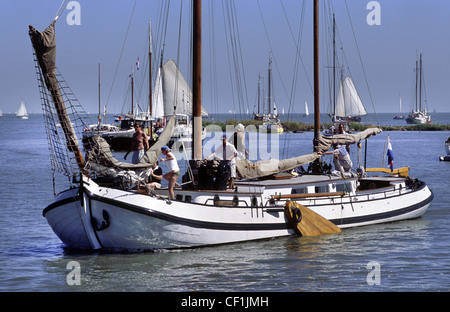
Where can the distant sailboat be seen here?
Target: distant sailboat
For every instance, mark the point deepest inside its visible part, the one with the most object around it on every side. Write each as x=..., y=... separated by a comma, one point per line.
x=271, y=122
x=1, y=113
x=400, y=116
x=419, y=115
x=22, y=112
x=306, y=109
x=349, y=104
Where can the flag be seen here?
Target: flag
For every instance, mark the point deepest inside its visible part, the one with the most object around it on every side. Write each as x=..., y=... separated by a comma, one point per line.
x=390, y=155
x=137, y=63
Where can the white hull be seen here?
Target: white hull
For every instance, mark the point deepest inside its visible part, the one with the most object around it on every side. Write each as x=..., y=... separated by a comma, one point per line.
x=182, y=137
x=418, y=117
x=135, y=221
x=417, y=120
x=271, y=128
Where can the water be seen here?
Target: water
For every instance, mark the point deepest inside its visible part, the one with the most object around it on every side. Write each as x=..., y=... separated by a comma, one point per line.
x=412, y=255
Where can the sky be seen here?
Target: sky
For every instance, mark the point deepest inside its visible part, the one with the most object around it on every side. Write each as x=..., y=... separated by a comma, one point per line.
x=381, y=60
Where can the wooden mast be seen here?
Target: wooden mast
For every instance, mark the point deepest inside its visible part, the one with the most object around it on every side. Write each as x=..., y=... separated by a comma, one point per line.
x=316, y=77
x=150, y=128
x=197, y=81
x=99, y=108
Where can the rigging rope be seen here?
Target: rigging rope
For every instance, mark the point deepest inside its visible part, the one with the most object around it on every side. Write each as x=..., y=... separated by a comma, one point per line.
x=121, y=52
x=360, y=59
x=61, y=8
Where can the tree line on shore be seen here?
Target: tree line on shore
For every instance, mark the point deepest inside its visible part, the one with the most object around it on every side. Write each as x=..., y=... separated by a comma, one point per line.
x=295, y=126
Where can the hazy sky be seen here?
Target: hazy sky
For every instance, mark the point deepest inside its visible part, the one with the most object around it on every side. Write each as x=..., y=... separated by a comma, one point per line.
x=388, y=51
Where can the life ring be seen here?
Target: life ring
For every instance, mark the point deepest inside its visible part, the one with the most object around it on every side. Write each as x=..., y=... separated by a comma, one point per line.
x=296, y=215
x=293, y=213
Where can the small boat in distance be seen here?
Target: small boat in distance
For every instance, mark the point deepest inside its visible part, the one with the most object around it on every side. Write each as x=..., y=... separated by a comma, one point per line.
x=22, y=112
x=447, y=151
x=419, y=115
x=399, y=116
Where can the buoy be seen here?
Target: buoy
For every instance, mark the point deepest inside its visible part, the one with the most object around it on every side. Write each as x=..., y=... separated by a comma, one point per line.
x=306, y=222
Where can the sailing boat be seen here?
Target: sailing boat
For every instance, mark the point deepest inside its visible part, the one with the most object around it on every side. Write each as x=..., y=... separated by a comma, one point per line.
x=22, y=112
x=104, y=212
x=99, y=127
x=347, y=105
x=399, y=116
x=419, y=115
x=259, y=116
x=271, y=122
x=120, y=139
x=306, y=110
x=1, y=113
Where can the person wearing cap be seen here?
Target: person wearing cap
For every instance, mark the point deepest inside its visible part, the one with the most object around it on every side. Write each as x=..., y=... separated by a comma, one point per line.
x=174, y=170
x=139, y=144
x=228, y=152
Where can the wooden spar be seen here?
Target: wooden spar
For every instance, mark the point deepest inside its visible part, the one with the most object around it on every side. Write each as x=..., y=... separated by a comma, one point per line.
x=403, y=171
x=132, y=91
x=197, y=81
x=280, y=196
x=316, y=77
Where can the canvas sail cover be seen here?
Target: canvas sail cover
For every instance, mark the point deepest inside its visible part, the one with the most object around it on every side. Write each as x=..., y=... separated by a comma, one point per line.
x=251, y=170
x=176, y=91
x=262, y=168
x=348, y=102
x=44, y=44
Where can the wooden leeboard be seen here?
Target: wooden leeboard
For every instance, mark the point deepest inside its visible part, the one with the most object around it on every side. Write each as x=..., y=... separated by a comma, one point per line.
x=311, y=223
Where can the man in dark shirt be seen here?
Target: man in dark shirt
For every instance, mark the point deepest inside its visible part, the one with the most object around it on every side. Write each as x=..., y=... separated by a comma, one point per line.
x=154, y=180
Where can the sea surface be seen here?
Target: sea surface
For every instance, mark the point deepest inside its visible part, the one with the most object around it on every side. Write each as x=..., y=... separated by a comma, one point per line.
x=402, y=256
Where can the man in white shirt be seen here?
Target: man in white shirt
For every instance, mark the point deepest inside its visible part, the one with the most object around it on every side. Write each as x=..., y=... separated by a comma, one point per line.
x=341, y=159
x=228, y=152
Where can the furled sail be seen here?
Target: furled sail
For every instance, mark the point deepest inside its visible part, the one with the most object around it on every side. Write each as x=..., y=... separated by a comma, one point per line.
x=262, y=168
x=176, y=91
x=44, y=44
x=348, y=101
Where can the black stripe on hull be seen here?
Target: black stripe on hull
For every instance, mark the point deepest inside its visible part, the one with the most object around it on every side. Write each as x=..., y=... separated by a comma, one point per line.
x=384, y=215
x=237, y=227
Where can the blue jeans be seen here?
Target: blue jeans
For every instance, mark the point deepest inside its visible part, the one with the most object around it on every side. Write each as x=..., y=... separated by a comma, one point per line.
x=137, y=156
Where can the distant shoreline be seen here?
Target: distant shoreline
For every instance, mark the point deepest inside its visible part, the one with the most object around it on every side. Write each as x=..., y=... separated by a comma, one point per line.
x=296, y=126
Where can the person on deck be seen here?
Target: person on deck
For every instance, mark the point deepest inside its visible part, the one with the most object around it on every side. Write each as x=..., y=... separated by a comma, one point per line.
x=227, y=152
x=238, y=140
x=154, y=180
x=139, y=144
x=174, y=170
x=341, y=158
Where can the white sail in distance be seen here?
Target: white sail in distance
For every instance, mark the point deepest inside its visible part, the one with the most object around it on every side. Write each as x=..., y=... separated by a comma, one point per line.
x=348, y=101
